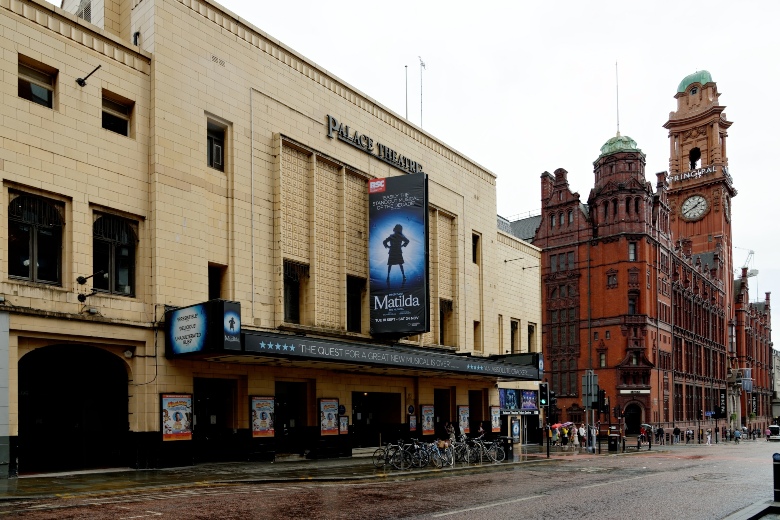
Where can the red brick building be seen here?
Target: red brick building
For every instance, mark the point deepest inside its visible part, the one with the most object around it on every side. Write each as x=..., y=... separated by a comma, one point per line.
x=638, y=282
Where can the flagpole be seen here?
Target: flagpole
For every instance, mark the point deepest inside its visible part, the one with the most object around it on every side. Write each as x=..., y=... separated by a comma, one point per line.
x=422, y=66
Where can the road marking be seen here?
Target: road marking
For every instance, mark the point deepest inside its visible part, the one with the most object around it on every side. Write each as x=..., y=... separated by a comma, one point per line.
x=613, y=482
x=151, y=513
x=485, y=506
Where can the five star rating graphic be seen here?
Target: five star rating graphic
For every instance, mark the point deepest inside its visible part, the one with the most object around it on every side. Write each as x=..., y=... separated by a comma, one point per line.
x=475, y=367
x=277, y=346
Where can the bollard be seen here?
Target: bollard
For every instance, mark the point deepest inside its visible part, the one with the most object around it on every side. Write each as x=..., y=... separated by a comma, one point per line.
x=776, y=475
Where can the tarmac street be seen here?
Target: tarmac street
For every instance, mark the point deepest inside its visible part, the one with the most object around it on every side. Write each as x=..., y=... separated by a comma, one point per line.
x=682, y=481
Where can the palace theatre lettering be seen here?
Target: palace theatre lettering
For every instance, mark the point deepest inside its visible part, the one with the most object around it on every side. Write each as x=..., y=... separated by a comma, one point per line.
x=368, y=145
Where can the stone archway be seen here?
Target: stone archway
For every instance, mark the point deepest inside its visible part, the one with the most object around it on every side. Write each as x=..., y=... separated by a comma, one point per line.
x=73, y=404
x=633, y=417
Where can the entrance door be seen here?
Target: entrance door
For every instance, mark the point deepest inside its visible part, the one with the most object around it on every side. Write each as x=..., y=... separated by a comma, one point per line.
x=633, y=418
x=214, y=425
x=376, y=418
x=291, y=417
x=443, y=409
x=72, y=409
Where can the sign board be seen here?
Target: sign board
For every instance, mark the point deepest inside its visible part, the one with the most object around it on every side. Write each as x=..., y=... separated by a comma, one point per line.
x=211, y=326
x=262, y=416
x=398, y=254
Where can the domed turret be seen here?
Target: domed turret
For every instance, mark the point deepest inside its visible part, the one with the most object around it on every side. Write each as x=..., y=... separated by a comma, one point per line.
x=619, y=143
x=701, y=77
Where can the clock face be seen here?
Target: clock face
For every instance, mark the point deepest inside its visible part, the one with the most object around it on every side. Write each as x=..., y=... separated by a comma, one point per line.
x=694, y=207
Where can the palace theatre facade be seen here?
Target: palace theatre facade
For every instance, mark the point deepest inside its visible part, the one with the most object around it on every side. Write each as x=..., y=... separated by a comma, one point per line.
x=216, y=249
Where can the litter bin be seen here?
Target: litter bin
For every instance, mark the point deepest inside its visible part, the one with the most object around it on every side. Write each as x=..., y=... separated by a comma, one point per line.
x=612, y=446
x=507, y=443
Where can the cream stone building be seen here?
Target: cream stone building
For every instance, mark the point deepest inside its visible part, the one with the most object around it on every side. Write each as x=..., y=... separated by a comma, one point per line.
x=169, y=171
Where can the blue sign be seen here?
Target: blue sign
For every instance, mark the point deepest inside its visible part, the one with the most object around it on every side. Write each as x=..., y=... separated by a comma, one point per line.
x=214, y=325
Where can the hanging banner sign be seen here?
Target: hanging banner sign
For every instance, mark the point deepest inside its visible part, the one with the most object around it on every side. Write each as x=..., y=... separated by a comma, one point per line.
x=398, y=254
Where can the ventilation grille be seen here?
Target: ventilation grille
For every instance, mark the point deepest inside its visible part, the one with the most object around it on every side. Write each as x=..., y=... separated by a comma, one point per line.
x=85, y=11
x=218, y=61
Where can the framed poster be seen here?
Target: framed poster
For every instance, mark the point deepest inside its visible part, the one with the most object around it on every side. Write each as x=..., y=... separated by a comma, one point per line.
x=176, y=413
x=261, y=416
x=529, y=400
x=412, y=423
x=495, y=419
x=426, y=412
x=329, y=416
x=343, y=425
x=463, y=419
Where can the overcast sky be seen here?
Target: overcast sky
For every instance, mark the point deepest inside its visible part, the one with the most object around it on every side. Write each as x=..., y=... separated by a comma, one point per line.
x=524, y=87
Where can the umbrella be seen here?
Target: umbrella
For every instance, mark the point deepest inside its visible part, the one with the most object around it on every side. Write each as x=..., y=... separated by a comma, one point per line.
x=557, y=425
x=567, y=423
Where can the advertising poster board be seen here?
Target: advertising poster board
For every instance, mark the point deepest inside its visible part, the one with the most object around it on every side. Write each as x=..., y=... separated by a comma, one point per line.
x=507, y=399
x=426, y=413
x=398, y=254
x=528, y=400
x=463, y=419
x=262, y=416
x=214, y=325
x=329, y=416
x=412, y=423
x=343, y=425
x=495, y=419
x=176, y=423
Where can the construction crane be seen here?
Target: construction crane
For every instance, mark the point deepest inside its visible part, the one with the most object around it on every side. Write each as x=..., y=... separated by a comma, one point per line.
x=748, y=261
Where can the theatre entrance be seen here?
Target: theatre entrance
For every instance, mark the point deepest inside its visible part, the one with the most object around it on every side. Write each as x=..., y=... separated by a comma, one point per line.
x=292, y=434
x=72, y=409
x=376, y=419
x=214, y=429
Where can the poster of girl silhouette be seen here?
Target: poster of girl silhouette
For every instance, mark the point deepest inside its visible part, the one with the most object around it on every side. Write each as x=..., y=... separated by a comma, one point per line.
x=398, y=254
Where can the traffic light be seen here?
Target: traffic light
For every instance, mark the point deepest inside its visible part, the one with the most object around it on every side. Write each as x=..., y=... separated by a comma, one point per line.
x=553, y=399
x=603, y=404
x=544, y=396
x=701, y=414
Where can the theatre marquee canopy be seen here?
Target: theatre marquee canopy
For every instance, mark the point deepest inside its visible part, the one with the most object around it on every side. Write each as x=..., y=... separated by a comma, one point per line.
x=218, y=319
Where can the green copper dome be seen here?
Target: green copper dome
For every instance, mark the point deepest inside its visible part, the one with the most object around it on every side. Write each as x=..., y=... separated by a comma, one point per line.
x=700, y=76
x=619, y=143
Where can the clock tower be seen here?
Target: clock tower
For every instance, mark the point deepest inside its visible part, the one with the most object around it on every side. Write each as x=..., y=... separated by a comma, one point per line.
x=700, y=186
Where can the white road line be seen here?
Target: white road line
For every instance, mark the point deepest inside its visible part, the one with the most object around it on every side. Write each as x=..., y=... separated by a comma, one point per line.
x=613, y=482
x=494, y=504
x=151, y=513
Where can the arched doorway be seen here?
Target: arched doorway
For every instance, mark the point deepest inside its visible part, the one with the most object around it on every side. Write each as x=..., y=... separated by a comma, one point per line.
x=633, y=418
x=72, y=409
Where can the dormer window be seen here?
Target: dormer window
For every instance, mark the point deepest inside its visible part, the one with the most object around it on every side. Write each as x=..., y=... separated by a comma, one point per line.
x=694, y=90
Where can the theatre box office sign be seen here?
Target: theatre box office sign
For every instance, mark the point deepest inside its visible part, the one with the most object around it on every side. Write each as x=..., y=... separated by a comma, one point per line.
x=212, y=326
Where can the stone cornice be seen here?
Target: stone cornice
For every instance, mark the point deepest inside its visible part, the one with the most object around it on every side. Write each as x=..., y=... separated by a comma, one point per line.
x=79, y=32
x=255, y=37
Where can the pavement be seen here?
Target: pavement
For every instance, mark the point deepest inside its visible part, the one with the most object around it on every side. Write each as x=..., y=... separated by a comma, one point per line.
x=287, y=469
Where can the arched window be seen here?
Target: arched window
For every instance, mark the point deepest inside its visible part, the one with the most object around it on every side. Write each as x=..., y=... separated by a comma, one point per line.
x=35, y=238
x=561, y=220
x=571, y=216
x=636, y=205
x=113, y=248
x=552, y=221
x=606, y=210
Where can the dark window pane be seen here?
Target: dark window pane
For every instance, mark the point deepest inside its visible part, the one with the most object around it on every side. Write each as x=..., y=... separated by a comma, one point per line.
x=35, y=93
x=101, y=261
x=19, y=252
x=115, y=123
x=355, y=287
x=123, y=276
x=48, y=254
x=292, y=312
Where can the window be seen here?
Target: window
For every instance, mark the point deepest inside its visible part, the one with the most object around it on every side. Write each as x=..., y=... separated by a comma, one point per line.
x=446, y=323
x=501, y=333
x=552, y=221
x=612, y=279
x=602, y=359
x=553, y=263
x=632, y=251
x=296, y=278
x=607, y=335
x=571, y=216
x=36, y=81
x=514, y=331
x=632, y=304
x=113, y=254
x=116, y=113
x=554, y=316
x=595, y=335
x=475, y=252
x=694, y=90
x=216, y=275
x=35, y=238
x=571, y=260
x=356, y=288
x=531, y=336
x=215, y=142
x=561, y=219
x=562, y=262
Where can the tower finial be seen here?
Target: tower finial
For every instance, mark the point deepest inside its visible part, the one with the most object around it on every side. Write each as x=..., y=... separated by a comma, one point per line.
x=617, y=98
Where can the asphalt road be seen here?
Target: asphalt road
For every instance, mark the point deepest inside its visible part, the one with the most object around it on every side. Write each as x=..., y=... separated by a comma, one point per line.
x=683, y=482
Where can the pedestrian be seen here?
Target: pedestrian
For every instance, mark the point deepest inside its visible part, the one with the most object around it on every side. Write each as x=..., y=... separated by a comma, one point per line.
x=581, y=434
x=767, y=432
x=709, y=437
x=662, y=435
x=564, y=437
x=676, y=433
x=555, y=435
x=575, y=438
